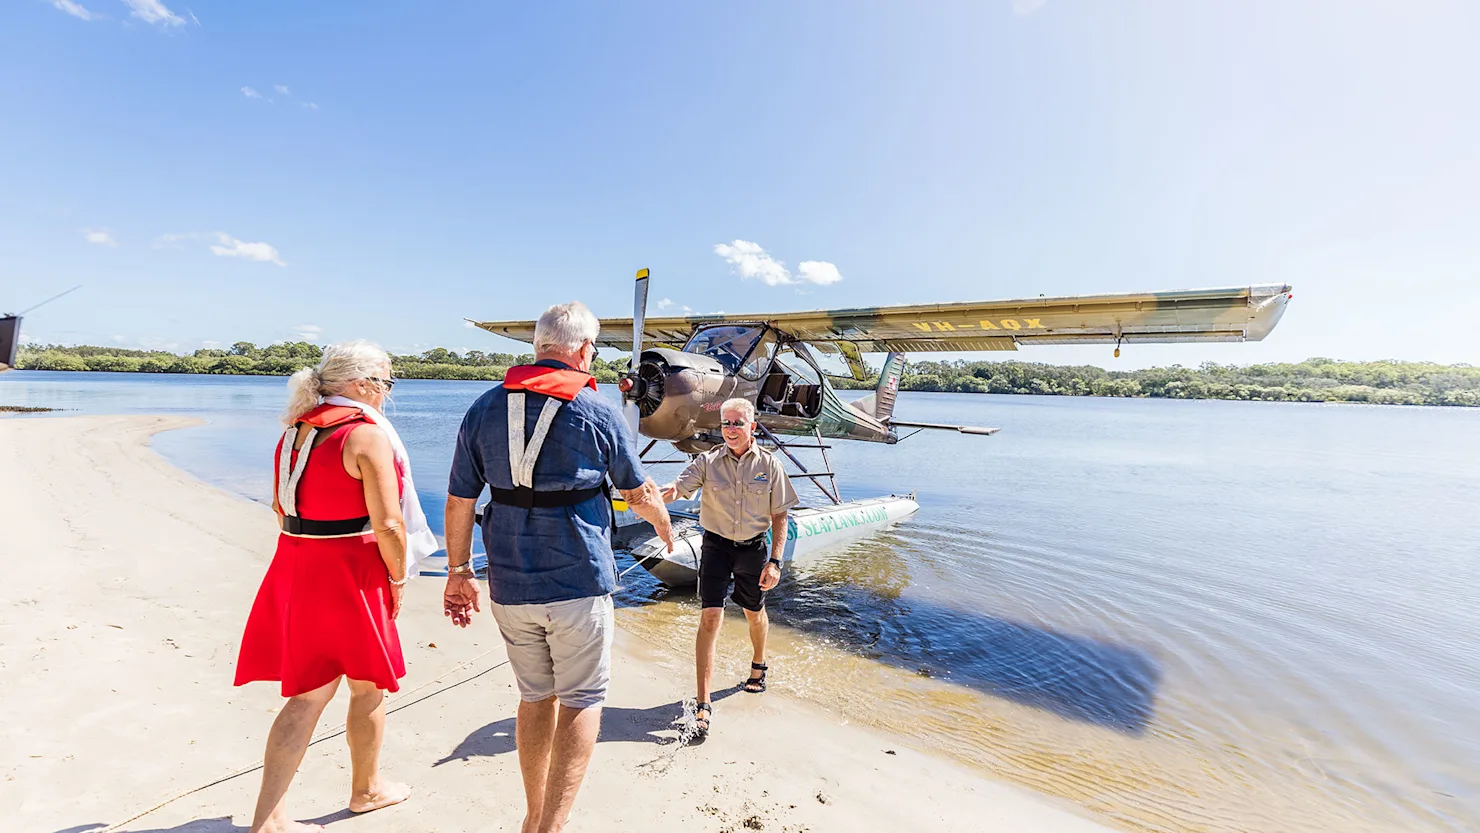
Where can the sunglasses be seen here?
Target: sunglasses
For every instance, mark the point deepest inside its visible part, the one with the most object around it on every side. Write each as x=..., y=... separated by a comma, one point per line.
x=730, y=423
x=389, y=383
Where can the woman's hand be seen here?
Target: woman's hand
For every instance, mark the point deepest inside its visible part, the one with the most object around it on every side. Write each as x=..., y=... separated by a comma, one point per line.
x=397, y=591
x=460, y=599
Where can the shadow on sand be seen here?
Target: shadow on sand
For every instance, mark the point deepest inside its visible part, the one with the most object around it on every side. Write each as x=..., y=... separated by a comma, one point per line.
x=656, y=725
x=866, y=609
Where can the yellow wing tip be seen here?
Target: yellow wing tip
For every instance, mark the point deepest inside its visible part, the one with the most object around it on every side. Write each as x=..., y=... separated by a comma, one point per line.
x=642, y=273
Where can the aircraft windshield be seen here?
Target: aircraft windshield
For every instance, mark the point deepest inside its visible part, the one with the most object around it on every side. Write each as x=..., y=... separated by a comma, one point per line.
x=727, y=344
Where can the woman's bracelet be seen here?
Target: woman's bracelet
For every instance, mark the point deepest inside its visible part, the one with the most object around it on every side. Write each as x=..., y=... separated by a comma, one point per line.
x=401, y=583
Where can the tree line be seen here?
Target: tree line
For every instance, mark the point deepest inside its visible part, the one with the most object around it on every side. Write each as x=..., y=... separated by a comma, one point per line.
x=1313, y=380
x=247, y=359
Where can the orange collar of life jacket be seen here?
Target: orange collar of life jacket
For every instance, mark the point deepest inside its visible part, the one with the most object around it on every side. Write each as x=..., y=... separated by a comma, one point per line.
x=330, y=416
x=559, y=382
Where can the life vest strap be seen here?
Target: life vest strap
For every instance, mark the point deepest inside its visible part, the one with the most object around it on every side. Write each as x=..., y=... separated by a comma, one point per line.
x=526, y=498
x=294, y=525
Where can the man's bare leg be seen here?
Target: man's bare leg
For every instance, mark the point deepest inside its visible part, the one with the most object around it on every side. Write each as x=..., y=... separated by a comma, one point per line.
x=760, y=625
x=286, y=743
x=364, y=728
x=575, y=738
x=534, y=734
x=709, y=622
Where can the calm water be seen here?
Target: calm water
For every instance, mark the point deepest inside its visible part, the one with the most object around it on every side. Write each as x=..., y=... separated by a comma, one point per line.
x=1184, y=616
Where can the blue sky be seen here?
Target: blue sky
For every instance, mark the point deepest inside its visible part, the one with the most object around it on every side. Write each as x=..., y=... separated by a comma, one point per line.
x=273, y=170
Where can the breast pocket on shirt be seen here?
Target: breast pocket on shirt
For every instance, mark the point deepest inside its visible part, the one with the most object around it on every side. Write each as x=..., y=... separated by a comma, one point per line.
x=758, y=500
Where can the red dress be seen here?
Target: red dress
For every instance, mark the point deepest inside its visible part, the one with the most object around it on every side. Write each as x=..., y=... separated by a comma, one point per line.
x=324, y=607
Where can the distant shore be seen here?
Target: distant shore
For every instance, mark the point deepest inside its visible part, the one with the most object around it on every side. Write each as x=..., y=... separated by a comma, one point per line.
x=1313, y=380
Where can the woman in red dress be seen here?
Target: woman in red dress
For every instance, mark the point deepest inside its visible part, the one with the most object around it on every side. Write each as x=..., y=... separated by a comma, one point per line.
x=327, y=606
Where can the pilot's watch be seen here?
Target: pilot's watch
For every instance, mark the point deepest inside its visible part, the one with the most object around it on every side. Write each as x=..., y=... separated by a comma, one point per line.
x=775, y=561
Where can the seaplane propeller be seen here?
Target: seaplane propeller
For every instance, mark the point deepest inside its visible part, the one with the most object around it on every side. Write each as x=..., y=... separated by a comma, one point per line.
x=635, y=388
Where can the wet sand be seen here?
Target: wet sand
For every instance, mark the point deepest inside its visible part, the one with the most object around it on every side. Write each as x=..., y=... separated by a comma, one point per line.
x=129, y=585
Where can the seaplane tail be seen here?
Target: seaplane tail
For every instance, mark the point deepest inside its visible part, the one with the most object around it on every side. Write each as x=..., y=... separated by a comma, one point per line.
x=880, y=404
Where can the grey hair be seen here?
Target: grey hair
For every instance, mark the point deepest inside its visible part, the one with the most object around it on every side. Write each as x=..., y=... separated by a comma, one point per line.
x=744, y=406
x=341, y=366
x=564, y=328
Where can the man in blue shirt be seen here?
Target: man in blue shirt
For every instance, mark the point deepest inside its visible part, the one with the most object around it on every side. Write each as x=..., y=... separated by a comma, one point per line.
x=547, y=533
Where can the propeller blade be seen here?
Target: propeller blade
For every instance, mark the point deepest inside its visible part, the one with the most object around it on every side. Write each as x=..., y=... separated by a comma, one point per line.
x=639, y=312
x=633, y=415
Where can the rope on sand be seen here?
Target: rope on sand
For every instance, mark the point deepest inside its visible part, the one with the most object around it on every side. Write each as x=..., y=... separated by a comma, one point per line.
x=328, y=734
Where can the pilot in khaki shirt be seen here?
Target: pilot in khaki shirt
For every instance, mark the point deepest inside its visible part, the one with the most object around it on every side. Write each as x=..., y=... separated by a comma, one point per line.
x=746, y=494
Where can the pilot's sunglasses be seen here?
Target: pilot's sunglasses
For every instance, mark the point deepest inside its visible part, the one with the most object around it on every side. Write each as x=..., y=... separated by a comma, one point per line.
x=729, y=423
x=389, y=383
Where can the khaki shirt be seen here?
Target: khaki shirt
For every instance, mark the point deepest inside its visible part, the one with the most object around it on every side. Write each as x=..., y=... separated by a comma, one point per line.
x=740, y=494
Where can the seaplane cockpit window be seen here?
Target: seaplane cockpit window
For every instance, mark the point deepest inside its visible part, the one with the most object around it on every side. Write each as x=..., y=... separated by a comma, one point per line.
x=760, y=357
x=793, y=387
x=726, y=344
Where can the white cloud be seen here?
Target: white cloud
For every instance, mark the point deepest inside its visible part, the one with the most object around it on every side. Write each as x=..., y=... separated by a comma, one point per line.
x=308, y=332
x=153, y=11
x=309, y=105
x=751, y=261
x=99, y=237
x=666, y=303
x=281, y=89
x=210, y=344
x=1023, y=8
x=172, y=241
x=72, y=8
x=233, y=247
x=819, y=272
x=250, y=93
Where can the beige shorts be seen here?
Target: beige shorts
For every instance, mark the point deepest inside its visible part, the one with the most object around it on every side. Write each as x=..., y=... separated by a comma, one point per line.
x=560, y=649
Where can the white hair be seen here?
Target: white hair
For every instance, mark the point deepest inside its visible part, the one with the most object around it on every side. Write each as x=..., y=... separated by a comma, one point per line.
x=341, y=366
x=744, y=406
x=564, y=328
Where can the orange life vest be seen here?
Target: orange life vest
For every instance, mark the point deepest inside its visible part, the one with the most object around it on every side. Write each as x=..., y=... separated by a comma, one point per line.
x=558, y=382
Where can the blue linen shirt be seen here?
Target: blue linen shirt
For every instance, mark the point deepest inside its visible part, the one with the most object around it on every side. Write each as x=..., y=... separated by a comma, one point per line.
x=547, y=554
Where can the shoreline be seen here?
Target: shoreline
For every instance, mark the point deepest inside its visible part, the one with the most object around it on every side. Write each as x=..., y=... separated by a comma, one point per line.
x=119, y=633
x=1275, y=394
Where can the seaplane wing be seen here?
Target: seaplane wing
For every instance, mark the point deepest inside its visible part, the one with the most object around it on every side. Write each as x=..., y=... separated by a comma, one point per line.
x=1245, y=313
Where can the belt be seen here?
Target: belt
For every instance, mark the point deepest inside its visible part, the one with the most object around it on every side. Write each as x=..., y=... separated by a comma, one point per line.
x=294, y=525
x=748, y=542
x=526, y=498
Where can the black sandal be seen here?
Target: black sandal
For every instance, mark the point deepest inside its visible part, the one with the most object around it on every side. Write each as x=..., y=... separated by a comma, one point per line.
x=758, y=682
x=701, y=729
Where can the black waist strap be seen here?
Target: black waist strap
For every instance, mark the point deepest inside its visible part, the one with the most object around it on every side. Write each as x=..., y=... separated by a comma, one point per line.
x=526, y=498
x=303, y=526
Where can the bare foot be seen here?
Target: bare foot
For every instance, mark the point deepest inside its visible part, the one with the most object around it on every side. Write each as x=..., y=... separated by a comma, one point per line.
x=383, y=796
x=292, y=827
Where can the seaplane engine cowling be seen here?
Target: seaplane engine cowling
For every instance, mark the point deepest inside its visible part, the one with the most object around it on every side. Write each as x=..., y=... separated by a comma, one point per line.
x=677, y=393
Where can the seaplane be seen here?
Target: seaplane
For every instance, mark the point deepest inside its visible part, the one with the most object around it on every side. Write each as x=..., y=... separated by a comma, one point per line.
x=683, y=368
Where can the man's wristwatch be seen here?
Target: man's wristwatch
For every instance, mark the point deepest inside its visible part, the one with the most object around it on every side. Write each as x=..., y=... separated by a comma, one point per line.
x=775, y=561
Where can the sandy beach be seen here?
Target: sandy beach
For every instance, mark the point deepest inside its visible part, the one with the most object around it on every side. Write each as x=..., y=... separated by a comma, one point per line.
x=130, y=582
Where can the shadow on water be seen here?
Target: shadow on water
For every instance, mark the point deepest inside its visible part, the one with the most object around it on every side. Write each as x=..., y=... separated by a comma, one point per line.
x=858, y=600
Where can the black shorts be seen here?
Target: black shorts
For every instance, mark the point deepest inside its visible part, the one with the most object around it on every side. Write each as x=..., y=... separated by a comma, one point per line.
x=721, y=559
